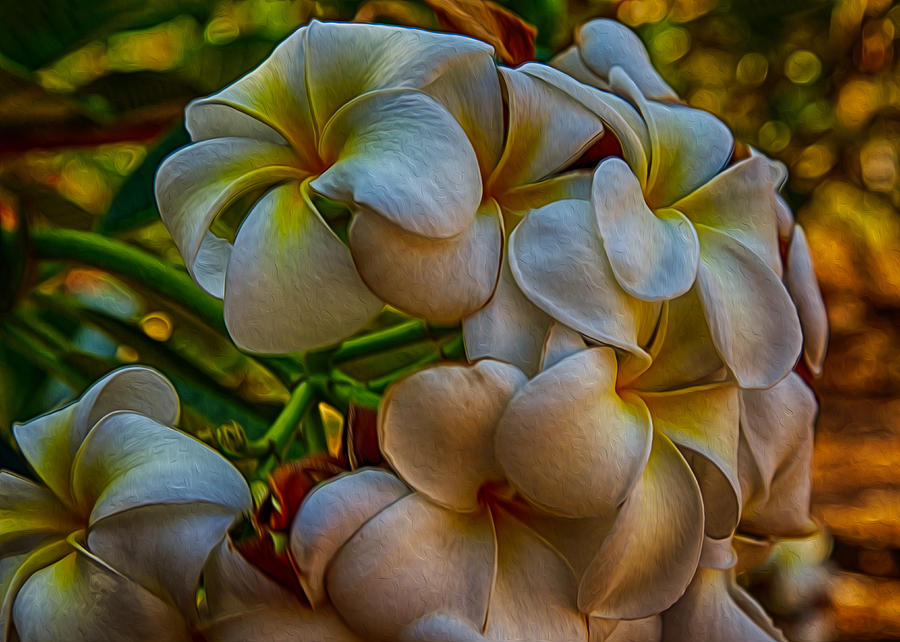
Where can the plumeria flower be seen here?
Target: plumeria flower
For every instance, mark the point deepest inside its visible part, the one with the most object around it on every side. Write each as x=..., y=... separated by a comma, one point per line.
x=677, y=215
x=112, y=542
x=446, y=557
x=389, y=121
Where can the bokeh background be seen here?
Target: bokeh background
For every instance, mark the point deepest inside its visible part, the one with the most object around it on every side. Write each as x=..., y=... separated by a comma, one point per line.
x=91, y=98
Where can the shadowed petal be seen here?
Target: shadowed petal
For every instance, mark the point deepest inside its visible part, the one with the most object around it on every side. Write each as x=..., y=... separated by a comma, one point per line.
x=557, y=259
x=800, y=279
x=128, y=460
x=704, y=423
x=509, y=328
x=291, y=283
x=441, y=627
x=76, y=599
x=547, y=131
x=650, y=555
x=708, y=612
x=654, y=255
x=570, y=62
x=775, y=458
x=750, y=314
x=534, y=592
x=560, y=343
x=29, y=511
x=447, y=462
x=648, y=629
x=438, y=279
x=200, y=181
x=401, y=155
x=604, y=44
x=50, y=441
x=569, y=443
x=330, y=515
x=742, y=202
x=519, y=201
x=412, y=559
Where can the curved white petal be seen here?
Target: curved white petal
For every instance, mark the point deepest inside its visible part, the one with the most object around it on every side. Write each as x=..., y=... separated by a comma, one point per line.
x=412, y=559
x=561, y=342
x=330, y=515
x=403, y=156
x=29, y=511
x=654, y=255
x=437, y=279
x=436, y=429
x=557, y=259
x=751, y=317
x=441, y=627
x=570, y=62
x=800, y=279
x=291, y=284
x=569, y=443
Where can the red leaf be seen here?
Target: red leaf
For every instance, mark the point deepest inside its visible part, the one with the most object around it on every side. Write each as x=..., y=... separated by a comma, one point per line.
x=511, y=37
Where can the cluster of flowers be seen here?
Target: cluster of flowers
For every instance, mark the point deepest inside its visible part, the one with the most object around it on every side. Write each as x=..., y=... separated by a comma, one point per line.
x=634, y=297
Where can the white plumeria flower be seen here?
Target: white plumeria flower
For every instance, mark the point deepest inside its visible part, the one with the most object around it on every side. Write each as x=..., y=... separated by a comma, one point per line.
x=112, y=545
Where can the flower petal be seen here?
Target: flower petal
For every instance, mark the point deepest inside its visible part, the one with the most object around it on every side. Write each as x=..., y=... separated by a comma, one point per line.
x=330, y=515
x=198, y=182
x=509, y=328
x=412, y=559
x=50, y=441
x=569, y=443
x=211, y=263
x=441, y=627
x=266, y=624
x=750, y=314
x=704, y=421
x=570, y=62
x=436, y=429
x=534, y=595
x=162, y=548
x=547, y=130
x=649, y=557
x=29, y=511
x=604, y=44
x=775, y=458
x=437, y=279
x=76, y=599
x=648, y=629
x=619, y=117
x=654, y=255
x=129, y=460
x=800, y=279
x=557, y=259
x=402, y=155
x=708, y=612
x=232, y=585
x=519, y=201
x=688, y=146
x=741, y=201
x=560, y=343
x=347, y=60
x=291, y=283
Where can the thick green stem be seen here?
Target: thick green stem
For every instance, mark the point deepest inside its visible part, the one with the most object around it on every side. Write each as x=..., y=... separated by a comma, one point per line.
x=279, y=434
x=32, y=349
x=383, y=340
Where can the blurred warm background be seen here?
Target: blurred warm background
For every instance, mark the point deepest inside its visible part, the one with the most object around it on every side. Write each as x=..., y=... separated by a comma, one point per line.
x=91, y=97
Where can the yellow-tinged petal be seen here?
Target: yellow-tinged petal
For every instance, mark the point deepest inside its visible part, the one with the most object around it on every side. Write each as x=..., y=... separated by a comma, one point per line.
x=271, y=98
x=401, y=155
x=654, y=255
x=129, y=460
x=509, y=328
x=291, y=282
x=330, y=515
x=800, y=279
x=751, y=317
x=687, y=146
x=437, y=279
x=77, y=599
x=344, y=61
x=648, y=629
x=569, y=443
x=436, y=429
x=742, y=202
x=29, y=511
x=775, y=458
x=547, y=130
x=649, y=556
x=534, y=594
x=704, y=423
x=557, y=259
x=519, y=201
x=709, y=612
x=50, y=441
x=15, y=571
x=412, y=559
x=604, y=44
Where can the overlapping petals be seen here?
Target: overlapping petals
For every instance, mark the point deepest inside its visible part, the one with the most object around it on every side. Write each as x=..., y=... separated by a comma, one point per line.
x=114, y=544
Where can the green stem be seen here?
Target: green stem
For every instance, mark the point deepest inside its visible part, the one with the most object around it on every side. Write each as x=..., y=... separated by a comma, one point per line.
x=279, y=434
x=35, y=351
x=383, y=340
